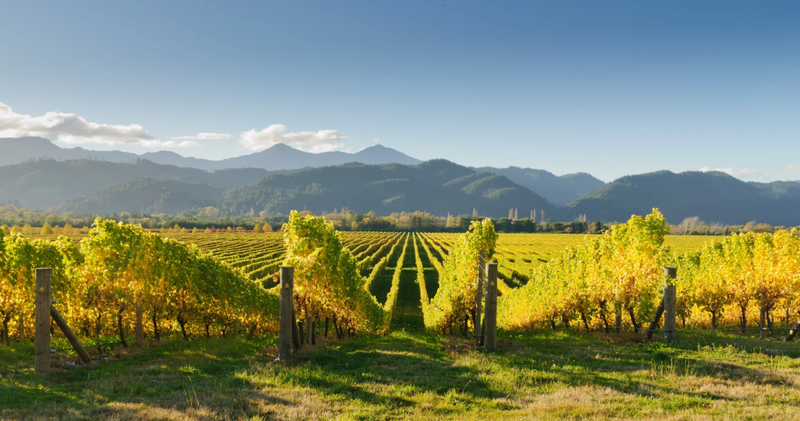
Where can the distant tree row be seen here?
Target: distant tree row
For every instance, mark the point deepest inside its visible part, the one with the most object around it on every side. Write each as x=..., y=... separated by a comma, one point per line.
x=695, y=226
x=210, y=219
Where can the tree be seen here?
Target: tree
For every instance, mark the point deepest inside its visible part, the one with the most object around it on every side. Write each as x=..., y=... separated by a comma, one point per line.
x=46, y=229
x=690, y=225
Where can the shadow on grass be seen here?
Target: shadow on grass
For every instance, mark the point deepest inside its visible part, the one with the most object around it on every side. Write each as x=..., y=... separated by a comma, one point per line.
x=177, y=376
x=610, y=360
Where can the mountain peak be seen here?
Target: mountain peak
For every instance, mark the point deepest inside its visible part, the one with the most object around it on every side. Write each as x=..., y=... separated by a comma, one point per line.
x=280, y=147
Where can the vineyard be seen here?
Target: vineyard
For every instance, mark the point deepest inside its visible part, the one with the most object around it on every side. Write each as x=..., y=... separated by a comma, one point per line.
x=120, y=279
x=387, y=316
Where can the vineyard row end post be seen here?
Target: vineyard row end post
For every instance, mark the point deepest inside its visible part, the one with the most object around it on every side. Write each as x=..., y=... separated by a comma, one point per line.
x=670, y=305
x=286, y=313
x=490, y=317
x=41, y=341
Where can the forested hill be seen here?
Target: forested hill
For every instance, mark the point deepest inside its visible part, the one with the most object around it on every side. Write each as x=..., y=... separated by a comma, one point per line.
x=46, y=183
x=436, y=186
x=558, y=190
x=713, y=196
x=145, y=195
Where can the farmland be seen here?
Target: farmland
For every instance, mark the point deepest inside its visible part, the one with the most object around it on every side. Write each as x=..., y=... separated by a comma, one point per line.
x=411, y=372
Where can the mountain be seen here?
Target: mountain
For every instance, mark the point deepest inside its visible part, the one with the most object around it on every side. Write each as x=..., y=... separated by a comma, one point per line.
x=46, y=183
x=283, y=156
x=437, y=186
x=20, y=149
x=278, y=157
x=145, y=195
x=558, y=190
x=713, y=196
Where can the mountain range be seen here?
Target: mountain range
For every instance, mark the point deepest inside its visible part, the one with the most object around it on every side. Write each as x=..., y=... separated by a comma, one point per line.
x=438, y=186
x=116, y=181
x=714, y=196
x=278, y=157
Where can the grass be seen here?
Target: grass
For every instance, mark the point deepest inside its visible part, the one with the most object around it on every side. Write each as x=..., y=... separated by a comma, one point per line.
x=416, y=375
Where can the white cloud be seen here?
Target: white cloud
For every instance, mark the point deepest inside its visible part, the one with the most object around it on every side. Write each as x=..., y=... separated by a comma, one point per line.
x=742, y=173
x=324, y=147
x=169, y=144
x=792, y=167
x=74, y=129
x=272, y=135
x=204, y=136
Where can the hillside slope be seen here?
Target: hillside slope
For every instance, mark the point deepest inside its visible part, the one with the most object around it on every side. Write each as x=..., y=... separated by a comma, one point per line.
x=558, y=190
x=713, y=196
x=46, y=183
x=145, y=195
x=438, y=187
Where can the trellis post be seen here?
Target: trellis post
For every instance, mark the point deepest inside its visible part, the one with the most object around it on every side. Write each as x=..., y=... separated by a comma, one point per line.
x=670, y=305
x=490, y=317
x=286, y=313
x=42, y=335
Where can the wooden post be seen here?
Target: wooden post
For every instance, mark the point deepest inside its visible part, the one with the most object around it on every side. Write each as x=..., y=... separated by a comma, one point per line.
x=286, y=314
x=618, y=318
x=670, y=306
x=21, y=327
x=490, y=318
x=309, y=325
x=42, y=338
x=787, y=317
x=73, y=340
x=479, y=296
x=139, y=322
x=295, y=332
x=656, y=319
x=762, y=322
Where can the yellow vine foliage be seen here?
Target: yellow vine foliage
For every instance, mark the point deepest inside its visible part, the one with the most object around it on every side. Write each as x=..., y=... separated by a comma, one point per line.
x=455, y=298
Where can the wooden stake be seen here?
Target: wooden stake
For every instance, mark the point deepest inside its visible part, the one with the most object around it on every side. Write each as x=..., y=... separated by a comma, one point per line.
x=73, y=340
x=656, y=319
x=479, y=296
x=139, y=323
x=21, y=327
x=286, y=313
x=490, y=317
x=42, y=338
x=670, y=306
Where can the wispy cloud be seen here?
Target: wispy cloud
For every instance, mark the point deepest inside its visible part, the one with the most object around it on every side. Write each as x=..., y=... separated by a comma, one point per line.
x=319, y=141
x=741, y=173
x=792, y=167
x=204, y=136
x=74, y=129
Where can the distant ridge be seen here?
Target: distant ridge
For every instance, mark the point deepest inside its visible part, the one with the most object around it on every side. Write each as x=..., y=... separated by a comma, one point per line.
x=438, y=186
x=715, y=197
x=144, y=195
x=46, y=183
x=278, y=157
x=558, y=190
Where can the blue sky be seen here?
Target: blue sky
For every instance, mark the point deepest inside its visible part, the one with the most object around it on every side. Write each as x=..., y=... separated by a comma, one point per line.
x=609, y=88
